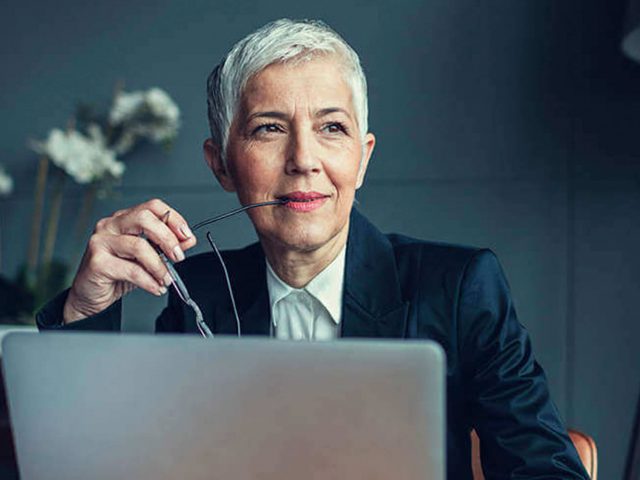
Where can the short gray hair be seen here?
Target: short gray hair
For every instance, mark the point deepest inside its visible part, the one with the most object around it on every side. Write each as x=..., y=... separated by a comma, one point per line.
x=283, y=41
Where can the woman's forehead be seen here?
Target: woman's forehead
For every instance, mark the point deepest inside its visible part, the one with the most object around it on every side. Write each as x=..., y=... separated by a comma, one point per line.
x=315, y=84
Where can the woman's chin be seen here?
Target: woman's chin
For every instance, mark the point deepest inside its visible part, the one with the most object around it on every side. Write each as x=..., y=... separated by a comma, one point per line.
x=301, y=239
x=301, y=243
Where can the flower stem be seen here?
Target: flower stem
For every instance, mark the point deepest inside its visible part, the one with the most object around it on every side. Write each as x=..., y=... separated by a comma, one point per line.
x=36, y=219
x=88, y=200
x=1, y=222
x=52, y=226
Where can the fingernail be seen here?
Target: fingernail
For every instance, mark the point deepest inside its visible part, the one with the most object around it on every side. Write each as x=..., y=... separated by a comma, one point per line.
x=178, y=253
x=162, y=291
x=185, y=231
x=167, y=280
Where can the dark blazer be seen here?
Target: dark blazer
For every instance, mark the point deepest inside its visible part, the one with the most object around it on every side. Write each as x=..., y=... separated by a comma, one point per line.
x=399, y=287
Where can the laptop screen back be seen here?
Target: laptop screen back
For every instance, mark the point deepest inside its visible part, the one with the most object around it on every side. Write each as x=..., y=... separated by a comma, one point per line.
x=165, y=407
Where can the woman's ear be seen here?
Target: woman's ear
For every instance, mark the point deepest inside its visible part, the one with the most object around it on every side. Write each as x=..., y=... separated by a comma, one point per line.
x=214, y=159
x=367, y=150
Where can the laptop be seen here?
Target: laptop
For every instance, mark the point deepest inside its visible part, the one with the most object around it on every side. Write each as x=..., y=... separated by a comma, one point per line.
x=111, y=406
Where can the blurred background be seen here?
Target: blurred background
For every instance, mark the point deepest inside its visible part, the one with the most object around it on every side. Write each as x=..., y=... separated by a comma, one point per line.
x=508, y=124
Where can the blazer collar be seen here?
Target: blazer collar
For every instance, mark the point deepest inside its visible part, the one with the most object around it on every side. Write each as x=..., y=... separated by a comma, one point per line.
x=372, y=300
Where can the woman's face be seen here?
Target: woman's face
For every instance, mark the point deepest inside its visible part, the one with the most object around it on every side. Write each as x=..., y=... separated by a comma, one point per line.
x=295, y=136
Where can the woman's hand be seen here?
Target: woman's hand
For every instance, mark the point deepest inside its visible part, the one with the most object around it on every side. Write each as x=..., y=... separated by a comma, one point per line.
x=118, y=259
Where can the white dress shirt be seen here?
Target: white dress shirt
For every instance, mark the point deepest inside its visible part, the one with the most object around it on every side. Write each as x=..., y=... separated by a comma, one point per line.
x=310, y=313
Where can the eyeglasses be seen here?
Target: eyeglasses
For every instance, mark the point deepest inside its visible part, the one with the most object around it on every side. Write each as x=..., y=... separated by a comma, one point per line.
x=181, y=288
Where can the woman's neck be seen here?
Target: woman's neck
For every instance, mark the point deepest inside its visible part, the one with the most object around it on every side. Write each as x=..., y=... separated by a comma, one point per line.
x=297, y=268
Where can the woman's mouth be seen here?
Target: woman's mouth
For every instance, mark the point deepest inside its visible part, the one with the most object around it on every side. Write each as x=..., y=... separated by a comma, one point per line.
x=304, y=201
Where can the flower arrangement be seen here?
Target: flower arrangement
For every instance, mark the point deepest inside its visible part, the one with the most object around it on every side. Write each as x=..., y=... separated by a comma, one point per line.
x=90, y=150
x=6, y=183
x=6, y=187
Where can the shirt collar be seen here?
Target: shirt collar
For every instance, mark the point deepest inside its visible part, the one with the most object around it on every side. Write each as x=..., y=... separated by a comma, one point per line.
x=326, y=286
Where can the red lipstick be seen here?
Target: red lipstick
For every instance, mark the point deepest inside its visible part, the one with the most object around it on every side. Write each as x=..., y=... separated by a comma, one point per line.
x=304, y=201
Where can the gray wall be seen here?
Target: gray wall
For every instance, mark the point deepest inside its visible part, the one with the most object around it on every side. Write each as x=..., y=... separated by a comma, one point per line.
x=509, y=124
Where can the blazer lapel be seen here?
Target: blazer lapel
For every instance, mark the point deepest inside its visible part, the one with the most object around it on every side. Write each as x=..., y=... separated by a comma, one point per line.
x=372, y=301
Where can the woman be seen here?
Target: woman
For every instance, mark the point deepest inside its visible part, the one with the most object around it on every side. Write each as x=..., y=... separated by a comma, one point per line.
x=288, y=117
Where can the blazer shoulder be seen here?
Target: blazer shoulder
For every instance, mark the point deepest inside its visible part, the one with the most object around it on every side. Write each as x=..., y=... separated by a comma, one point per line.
x=430, y=272
x=436, y=256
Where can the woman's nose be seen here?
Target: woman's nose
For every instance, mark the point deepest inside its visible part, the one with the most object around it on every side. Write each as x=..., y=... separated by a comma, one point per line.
x=302, y=157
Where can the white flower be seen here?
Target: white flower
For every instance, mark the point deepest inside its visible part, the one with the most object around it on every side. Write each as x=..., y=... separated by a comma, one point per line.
x=125, y=107
x=85, y=158
x=6, y=183
x=150, y=115
x=162, y=106
x=125, y=142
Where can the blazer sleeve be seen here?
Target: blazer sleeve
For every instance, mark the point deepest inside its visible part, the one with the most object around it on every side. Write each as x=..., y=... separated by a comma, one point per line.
x=50, y=317
x=171, y=319
x=520, y=430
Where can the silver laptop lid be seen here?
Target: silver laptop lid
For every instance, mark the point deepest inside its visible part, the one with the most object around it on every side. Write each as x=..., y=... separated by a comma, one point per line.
x=110, y=406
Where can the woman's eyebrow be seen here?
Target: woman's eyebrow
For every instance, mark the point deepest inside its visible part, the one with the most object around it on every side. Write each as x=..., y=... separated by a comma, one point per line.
x=326, y=111
x=283, y=116
x=269, y=114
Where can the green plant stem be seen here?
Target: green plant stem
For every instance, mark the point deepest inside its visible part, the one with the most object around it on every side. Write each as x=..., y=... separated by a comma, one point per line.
x=52, y=227
x=36, y=219
x=1, y=222
x=88, y=199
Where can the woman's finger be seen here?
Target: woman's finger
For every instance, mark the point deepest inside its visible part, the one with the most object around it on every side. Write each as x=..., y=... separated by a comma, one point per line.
x=123, y=221
x=135, y=248
x=174, y=220
x=145, y=222
x=122, y=270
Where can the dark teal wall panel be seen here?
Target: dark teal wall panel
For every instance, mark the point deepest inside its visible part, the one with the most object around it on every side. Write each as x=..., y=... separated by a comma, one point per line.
x=492, y=119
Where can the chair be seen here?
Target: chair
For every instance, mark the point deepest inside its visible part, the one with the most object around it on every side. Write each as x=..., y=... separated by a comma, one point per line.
x=632, y=470
x=584, y=444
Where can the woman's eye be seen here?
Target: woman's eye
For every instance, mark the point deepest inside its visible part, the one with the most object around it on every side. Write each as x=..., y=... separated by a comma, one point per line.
x=335, y=127
x=266, y=128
